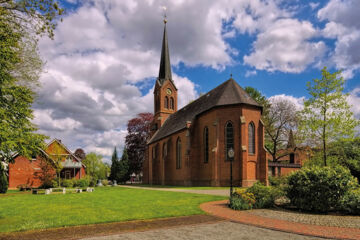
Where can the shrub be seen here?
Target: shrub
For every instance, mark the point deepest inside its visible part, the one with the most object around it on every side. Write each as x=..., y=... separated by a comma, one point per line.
x=67, y=183
x=242, y=200
x=264, y=196
x=3, y=181
x=55, y=183
x=105, y=182
x=277, y=181
x=319, y=188
x=350, y=203
x=84, y=182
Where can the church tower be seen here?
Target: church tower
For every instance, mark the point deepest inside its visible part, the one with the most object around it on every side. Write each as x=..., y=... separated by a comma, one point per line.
x=165, y=91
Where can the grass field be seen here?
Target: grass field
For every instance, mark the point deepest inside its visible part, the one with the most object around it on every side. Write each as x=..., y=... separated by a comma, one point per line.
x=178, y=187
x=26, y=211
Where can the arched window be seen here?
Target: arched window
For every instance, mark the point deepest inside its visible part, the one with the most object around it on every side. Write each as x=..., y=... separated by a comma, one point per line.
x=171, y=103
x=251, y=133
x=166, y=102
x=229, y=139
x=206, y=145
x=178, y=153
x=164, y=150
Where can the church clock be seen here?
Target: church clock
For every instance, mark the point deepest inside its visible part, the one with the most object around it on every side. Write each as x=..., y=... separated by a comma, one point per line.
x=168, y=91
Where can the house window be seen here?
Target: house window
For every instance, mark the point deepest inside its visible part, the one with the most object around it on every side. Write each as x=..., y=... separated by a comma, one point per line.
x=178, y=153
x=229, y=139
x=172, y=103
x=166, y=102
x=251, y=133
x=206, y=145
x=292, y=158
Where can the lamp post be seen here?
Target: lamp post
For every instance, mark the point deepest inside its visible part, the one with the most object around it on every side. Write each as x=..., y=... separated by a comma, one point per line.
x=231, y=154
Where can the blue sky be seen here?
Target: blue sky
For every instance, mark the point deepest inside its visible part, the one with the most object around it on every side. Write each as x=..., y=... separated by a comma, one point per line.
x=105, y=57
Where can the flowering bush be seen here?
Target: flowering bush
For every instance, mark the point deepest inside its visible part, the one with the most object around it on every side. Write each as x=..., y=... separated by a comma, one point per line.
x=242, y=200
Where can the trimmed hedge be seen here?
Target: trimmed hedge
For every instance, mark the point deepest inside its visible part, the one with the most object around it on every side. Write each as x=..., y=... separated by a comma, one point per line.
x=350, y=203
x=319, y=189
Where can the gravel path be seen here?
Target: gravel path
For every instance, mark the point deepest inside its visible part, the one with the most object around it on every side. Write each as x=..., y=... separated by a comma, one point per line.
x=315, y=219
x=214, y=231
x=217, y=192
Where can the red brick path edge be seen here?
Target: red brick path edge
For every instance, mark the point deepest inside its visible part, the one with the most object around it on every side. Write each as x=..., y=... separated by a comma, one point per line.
x=221, y=209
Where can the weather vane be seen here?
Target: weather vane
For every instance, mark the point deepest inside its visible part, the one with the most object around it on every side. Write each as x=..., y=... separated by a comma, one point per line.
x=165, y=20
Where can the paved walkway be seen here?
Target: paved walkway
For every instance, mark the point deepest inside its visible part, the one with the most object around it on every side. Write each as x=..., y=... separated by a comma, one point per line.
x=220, y=209
x=217, y=192
x=210, y=231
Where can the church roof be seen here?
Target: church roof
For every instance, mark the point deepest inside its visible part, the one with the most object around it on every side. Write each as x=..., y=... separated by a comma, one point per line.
x=165, y=67
x=228, y=93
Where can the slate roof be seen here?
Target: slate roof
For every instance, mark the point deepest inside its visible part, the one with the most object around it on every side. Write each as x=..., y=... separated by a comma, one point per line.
x=165, y=66
x=228, y=93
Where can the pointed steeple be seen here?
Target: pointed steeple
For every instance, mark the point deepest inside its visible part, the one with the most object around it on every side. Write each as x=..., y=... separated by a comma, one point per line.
x=291, y=141
x=165, y=67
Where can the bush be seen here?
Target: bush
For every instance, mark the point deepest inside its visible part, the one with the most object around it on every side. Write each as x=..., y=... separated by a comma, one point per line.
x=55, y=183
x=3, y=182
x=264, y=196
x=350, y=203
x=68, y=183
x=105, y=182
x=83, y=182
x=242, y=200
x=277, y=181
x=319, y=188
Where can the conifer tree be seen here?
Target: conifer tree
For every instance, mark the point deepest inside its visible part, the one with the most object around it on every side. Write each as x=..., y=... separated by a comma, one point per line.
x=114, y=165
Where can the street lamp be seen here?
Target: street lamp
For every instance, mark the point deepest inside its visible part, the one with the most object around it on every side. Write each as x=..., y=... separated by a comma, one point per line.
x=231, y=154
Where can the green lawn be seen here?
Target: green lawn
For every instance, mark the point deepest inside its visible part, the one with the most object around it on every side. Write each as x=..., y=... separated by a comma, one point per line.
x=26, y=211
x=178, y=187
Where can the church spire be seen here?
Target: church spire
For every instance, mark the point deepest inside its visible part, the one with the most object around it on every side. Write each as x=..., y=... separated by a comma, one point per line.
x=165, y=67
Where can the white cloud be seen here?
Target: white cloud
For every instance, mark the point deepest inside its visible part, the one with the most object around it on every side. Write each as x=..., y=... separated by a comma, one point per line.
x=298, y=102
x=313, y=5
x=354, y=101
x=250, y=73
x=343, y=24
x=286, y=47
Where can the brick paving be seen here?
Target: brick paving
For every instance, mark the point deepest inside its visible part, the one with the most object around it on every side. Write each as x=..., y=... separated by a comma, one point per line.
x=220, y=209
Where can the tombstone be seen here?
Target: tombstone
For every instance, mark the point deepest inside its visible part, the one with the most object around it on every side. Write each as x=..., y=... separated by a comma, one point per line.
x=114, y=183
x=99, y=184
x=89, y=189
x=47, y=191
x=64, y=190
x=78, y=190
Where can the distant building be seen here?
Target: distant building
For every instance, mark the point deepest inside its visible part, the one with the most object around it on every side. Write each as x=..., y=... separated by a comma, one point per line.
x=27, y=171
x=189, y=146
x=293, y=159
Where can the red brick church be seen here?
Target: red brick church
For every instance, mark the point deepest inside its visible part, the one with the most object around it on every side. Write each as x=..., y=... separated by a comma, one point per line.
x=189, y=146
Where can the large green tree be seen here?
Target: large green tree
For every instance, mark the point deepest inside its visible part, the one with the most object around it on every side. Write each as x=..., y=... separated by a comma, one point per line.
x=21, y=24
x=327, y=116
x=95, y=167
x=114, y=165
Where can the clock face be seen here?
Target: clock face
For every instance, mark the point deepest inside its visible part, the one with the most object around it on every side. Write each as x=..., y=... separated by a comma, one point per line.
x=168, y=91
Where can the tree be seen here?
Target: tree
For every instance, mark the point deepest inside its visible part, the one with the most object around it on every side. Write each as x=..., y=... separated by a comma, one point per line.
x=279, y=122
x=3, y=179
x=114, y=165
x=20, y=65
x=326, y=116
x=259, y=98
x=95, y=167
x=80, y=154
x=279, y=117
x=135, y=141
x=123, y=174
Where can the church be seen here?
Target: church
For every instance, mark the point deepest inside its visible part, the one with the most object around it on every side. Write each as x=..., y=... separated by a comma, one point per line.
x=190, y=146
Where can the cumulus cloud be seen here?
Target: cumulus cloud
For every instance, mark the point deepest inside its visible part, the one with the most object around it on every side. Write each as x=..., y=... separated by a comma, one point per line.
x=343, y=25
x=298, y=102
x=286, y=47
x=354, y=101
